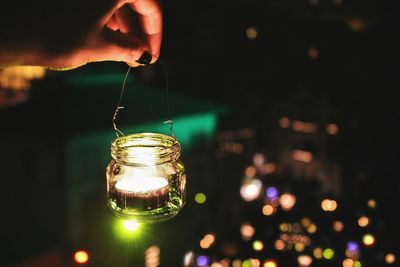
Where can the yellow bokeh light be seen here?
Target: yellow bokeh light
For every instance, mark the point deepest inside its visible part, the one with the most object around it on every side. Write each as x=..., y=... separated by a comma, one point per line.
x=368, y=240
x=81, y=257
x=270, y=263
x=200, y=198
x=328, y=253
x=372, y=203
x=268, y=210
x=390, y=258
x=287, y=201
x=329, y=205
x=348, y=263
x=317, y=252
x=258, y=245
x=363, y=221
x=299, y=247
x=312, y=229
x=251, y=33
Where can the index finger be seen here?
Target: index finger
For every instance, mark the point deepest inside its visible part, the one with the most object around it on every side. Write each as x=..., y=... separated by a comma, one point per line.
x=150, y=18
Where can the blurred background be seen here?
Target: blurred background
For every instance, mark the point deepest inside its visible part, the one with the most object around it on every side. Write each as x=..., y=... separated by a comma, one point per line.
x=288, y=119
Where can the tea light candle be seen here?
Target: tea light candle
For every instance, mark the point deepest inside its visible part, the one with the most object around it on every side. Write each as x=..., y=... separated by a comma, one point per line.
x=144, y=193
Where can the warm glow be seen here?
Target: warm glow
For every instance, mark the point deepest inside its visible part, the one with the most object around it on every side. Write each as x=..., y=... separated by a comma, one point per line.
x=188, y=259
x=287, y=201
x=247, y=231
x=372, y=203
x=356, y=24
x=328, y=253
x=258, y=159
x=19, y=77
x=279, y=245
x=141, y=184
x=200, y=198
x=312, y=229
x=368, y=240
x=207, y=241
x=338, y=226
x=303, y=156
x=216, y=264
x=251, y=33
x=299, y=247
x=81, y=257
x=348, y=263
x=258, y=245
x=363, y=221
x=268, y=210
x=304, y=127
x=284, y=122
x=267, y=168
x=328, y=205
x=250, y=171
x=317, y=252
x=270, y=263
x=152, y=256
x=131, y=225
x=304, y=260
x=390, y=258
x=251, y=191
x=237, y=263
x=313, y=53
x=306, y=222
x=332, y=129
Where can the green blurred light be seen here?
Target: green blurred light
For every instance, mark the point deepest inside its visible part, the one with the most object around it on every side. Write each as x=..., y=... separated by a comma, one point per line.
x=328, y=253
x=200, y=198
x=247, y=263
x=131, y=225
x=357, y=264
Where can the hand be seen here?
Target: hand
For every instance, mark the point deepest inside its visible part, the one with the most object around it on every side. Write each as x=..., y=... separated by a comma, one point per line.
x=81, y=31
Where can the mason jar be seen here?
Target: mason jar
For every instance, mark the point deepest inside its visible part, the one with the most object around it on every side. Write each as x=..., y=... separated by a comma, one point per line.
x=146, y=179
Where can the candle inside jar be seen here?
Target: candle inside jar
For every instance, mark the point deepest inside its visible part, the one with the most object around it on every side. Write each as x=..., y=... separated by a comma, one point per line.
x=140, y=193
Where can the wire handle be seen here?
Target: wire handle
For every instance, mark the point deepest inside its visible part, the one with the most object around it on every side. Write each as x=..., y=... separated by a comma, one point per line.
x=118, y=132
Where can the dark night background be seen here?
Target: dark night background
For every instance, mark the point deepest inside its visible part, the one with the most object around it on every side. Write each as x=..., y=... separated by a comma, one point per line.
x=322, y=61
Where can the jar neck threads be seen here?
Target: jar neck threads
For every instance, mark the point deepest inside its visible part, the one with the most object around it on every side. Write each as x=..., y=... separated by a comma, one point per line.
x=145, y=149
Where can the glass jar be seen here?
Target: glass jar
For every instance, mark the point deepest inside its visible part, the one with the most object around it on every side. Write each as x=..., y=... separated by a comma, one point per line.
x=146, y=179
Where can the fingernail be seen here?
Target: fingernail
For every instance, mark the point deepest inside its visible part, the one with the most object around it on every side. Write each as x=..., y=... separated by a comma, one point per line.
x=145, y=59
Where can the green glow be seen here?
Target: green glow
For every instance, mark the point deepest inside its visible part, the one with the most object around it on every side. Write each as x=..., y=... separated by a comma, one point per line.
x=200, y=198
x=131, y=225
x=328, y=253
x=357, y=264
x=247, y=263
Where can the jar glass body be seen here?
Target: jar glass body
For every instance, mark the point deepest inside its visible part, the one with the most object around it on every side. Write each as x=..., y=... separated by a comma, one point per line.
x=146, y=179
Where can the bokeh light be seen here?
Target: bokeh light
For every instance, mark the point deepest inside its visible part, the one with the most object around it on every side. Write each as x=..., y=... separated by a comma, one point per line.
x=270, y=263
x=337, y=226
x=272, y=192
x=313, y=52
x=131, y=225
x=390, y=258
x=332, y=129
x=188, y=259
x=152, y=256
x=329, y=205
x=317, y=252
x=363, y=221
x=250, y=171
x=302, y=156
x=236, y=263
x=348, y=263
x=328, y=253
x=287, y=201
x=304, y=260
x=207, y=241
x=258, y=245
x=247, y=231
x=81, y=257
x=306, y=222
x=280, y=245
x=284, y=122
x=357, y=264
x=202, y=260
x=251, y=33
x=251, y=191
x=312, y=229
x=299, y=247
x=368, y=240
x=352, y=246
x=372, y=204
x=268, y=210
x=258, y=159
x=200, y=198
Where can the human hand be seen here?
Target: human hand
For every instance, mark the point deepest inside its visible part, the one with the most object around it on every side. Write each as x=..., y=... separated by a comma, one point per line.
x=100, y=30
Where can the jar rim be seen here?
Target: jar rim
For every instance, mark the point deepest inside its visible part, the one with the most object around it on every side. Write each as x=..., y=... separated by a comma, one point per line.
x=145, y=149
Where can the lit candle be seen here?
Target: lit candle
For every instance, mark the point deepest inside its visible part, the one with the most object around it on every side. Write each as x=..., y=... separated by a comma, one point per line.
x=144, y=193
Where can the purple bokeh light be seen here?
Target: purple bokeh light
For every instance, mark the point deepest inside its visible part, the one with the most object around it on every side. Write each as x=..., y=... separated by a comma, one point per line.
x=272, y=192
x=352, y=246
x=202, y=260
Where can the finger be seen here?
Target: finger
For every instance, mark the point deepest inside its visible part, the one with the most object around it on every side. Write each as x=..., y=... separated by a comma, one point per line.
x=116, y=46
x=112, y=24
x=150, y=18
x=123, y=21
